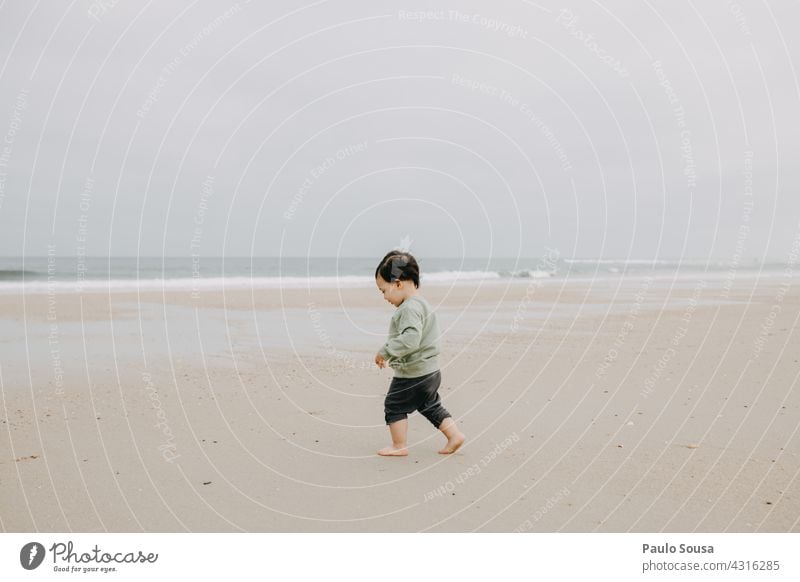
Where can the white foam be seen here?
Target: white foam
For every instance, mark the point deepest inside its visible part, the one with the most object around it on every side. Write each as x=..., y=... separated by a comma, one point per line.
x=349, y=281
x=219, y=283
x=452, y=276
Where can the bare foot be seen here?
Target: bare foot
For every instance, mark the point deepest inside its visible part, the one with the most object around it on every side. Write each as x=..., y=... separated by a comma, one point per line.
x=393, y=451
x=453, y=444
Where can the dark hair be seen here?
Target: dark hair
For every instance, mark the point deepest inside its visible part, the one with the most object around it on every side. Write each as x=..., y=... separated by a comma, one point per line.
x=398, y=266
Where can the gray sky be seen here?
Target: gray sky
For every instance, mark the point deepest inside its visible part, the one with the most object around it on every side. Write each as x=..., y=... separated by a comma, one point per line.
x=643, y=129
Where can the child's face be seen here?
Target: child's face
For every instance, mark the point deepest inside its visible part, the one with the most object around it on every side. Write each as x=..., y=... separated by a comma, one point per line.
x=395, y=293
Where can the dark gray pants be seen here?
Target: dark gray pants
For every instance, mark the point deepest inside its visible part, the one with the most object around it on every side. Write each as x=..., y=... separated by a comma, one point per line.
x=409, y=394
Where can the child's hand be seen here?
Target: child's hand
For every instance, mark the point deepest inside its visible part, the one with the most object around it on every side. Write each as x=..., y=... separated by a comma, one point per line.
x=379, y=361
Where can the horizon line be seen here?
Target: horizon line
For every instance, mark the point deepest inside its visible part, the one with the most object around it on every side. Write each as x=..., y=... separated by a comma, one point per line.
x=373, y=256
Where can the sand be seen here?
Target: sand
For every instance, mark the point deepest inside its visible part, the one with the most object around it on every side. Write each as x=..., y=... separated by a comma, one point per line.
x=625, y=405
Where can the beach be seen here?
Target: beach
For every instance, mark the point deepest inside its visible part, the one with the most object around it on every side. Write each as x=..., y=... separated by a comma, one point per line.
x=627, y=404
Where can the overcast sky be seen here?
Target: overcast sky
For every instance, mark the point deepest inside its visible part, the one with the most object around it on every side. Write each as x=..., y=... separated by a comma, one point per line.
x=627, y=129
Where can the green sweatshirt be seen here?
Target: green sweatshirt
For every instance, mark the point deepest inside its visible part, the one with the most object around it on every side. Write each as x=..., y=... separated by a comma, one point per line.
x=412, y=349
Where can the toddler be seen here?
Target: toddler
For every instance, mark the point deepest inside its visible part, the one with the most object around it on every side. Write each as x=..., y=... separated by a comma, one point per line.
x=412, y=351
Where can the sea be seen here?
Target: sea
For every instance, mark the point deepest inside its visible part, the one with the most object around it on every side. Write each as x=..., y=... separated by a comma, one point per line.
x=77, y=274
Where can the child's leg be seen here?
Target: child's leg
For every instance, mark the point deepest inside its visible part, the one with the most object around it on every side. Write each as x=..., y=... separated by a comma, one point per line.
x=455, y=438
x=437, y=414
x=399, y=432
x=398, y=404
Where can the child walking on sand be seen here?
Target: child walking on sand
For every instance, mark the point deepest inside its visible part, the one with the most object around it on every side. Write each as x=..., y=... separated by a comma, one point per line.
x=412, y=351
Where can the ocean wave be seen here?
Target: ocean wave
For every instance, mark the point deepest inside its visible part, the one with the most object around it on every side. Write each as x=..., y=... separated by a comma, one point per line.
x=440, y=278
x=218, y=283
x=528, y=274
x=648, y=262
x=449, y=276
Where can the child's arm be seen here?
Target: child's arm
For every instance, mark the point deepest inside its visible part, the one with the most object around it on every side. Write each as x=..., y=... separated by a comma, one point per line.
x=410, y=326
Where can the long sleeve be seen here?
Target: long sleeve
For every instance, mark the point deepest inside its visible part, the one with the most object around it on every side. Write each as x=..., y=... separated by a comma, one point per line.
x=409, y=327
